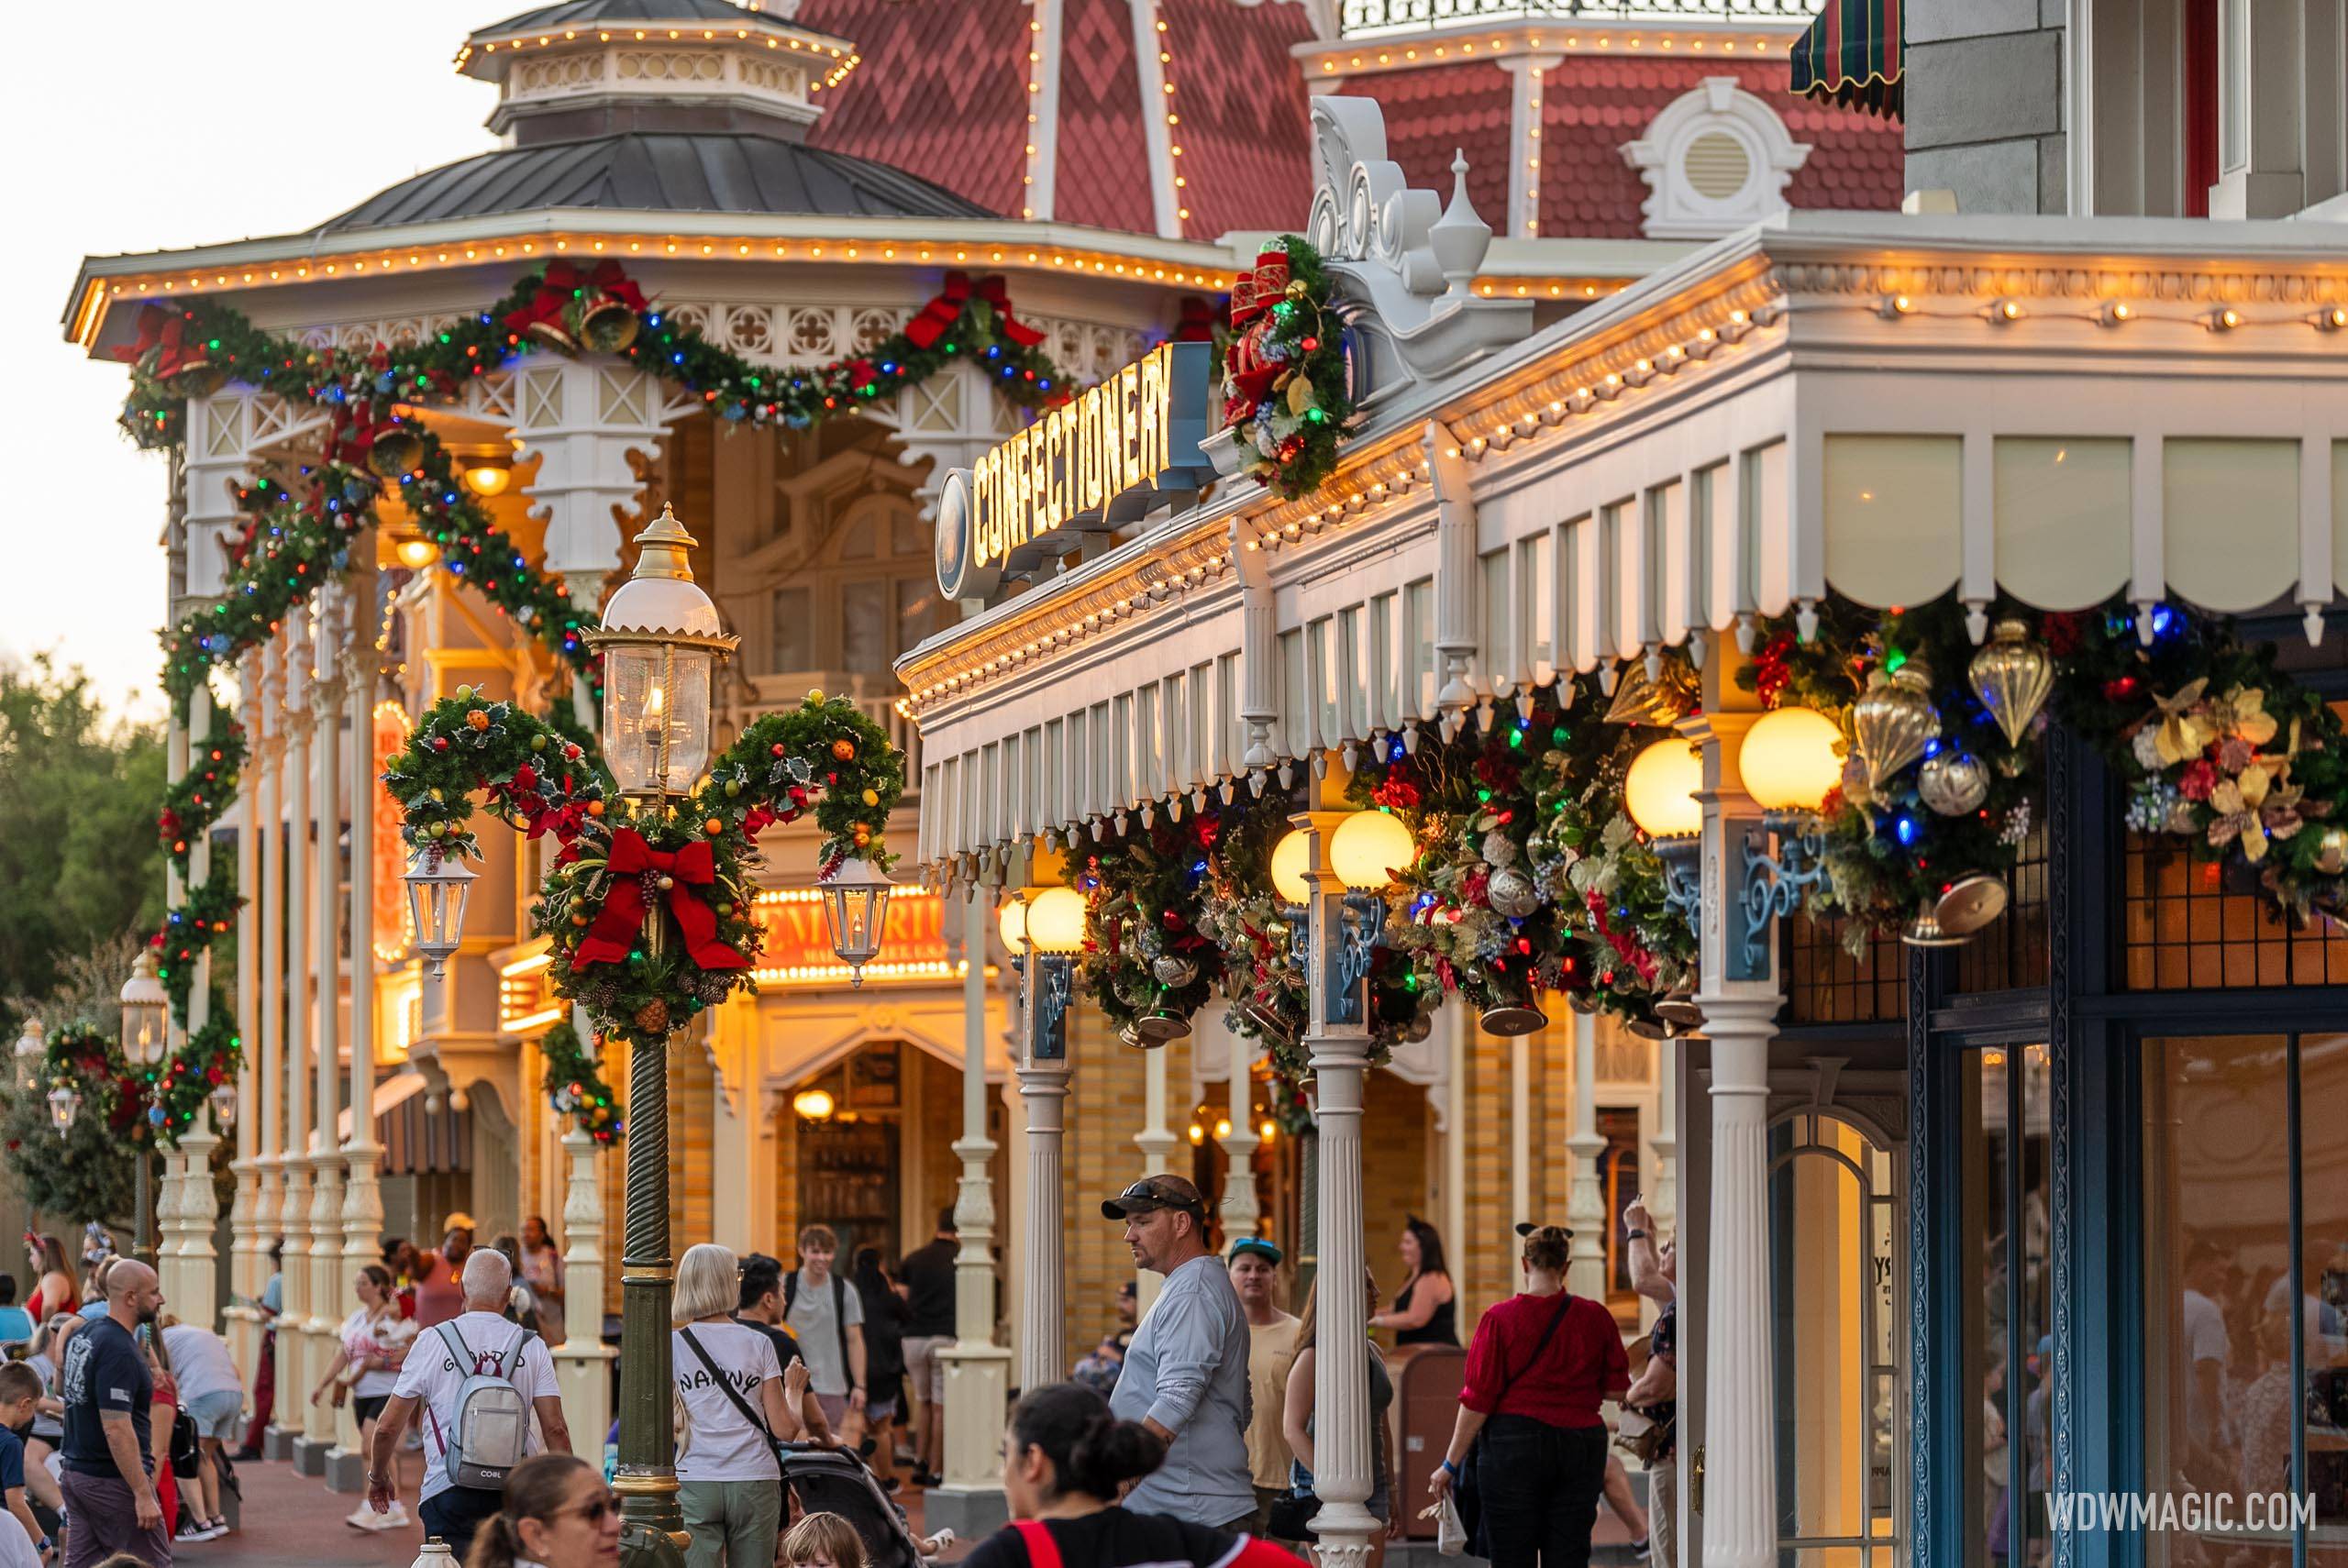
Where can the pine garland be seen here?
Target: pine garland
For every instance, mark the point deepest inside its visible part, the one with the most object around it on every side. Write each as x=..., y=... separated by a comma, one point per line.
x=196, y=800
x=1285, y=388
x=574, y=1086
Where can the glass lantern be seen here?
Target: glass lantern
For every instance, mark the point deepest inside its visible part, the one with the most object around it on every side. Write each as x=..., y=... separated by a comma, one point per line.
x=437, y=886
x=64, y=1105
x=31, y=1047
x=661, y=642
x=224, y=1103
x=145, y=1014
x=856, y=904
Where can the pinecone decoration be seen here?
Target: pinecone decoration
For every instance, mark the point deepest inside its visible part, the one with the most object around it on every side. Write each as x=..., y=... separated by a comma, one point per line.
x=653, y=1015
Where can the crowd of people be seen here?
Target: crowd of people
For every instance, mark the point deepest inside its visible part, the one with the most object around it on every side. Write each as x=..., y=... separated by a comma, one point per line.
x=1187, y=1433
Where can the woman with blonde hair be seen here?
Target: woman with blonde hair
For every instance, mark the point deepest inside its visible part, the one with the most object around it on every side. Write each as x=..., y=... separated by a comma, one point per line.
x=557, y=1514
x=738, y=1406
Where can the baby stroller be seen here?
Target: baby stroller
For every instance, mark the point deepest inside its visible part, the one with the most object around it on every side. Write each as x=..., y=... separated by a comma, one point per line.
x=831, y=1480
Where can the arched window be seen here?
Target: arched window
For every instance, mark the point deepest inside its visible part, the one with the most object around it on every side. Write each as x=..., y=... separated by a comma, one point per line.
x=1714, y=161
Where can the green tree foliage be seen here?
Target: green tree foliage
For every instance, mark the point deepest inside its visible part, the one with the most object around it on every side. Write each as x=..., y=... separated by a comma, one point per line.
x=78, y=847
x=88, y=1175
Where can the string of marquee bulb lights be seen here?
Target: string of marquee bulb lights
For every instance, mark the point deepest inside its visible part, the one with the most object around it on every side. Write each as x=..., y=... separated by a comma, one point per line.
x=2005, y=310
x=1467, y=49
x=1385, y=484
x=1034, y=96
x=847, y=58
x=1532, y=154
x=1173, y=124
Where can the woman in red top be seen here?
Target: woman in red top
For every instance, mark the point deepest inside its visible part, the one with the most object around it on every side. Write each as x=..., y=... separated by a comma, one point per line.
x=1540, y=1365
x=1065, y=1463
x=54, y=1292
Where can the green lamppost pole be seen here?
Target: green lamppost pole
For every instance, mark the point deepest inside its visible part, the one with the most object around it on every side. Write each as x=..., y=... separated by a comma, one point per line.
x=145, y=1022
x=661, y=642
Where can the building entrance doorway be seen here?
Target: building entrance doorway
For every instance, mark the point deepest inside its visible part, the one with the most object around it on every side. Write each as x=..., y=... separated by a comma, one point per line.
x=850, y=1133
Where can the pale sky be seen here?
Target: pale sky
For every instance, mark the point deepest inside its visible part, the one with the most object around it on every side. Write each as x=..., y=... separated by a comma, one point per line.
x=147, y=125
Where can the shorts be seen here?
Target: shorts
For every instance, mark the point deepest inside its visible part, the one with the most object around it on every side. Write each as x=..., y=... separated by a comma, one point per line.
x=368, y=1407
x=880, y=1410
x=218, y=1414
x=926, y=1369
x=835, y=1410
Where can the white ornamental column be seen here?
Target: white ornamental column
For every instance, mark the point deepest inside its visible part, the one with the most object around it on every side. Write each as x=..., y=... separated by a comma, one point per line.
x=244, y=1337
x=294, y=1371
x=362, y=1197
x=580, y=415
x=1240, y=1213
x=1586, y=1198
x=163, y=1165
x=326, y=1062
x=1663, y=1197
x=1043, y=1093
x=1339, y=1054
x=1157, y=1143
x=269, y=904
x=978, y=1370
x=582, y=1362
x=1739, y=1438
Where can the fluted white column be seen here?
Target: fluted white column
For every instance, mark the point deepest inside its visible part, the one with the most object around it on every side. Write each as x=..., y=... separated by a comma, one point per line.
x=582, y=1362
x=268, y=902
x=1739, y=1439
x=1586, y=1198
x=1043, y=1333
x=158, y=1242
x=326, y=1060
x=196, y=1208
x=294, y=1372
x=1340, y=1058
x=1663, y=1197
x=978, y=1370
x=1157, y=1143
x=1239, y=1209
x=362, y=1198
x=1520, y=1130
x=244, y=1336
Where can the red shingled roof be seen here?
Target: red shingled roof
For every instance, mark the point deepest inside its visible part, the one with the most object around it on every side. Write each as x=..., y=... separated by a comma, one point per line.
x=1103, y=177
x=1590, y=107
x=1245, y=131
x=942, y=93
x=1434, y=112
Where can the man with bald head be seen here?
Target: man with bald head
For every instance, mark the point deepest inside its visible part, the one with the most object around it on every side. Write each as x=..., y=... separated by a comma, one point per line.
x=109, y=1402
x=477, y=1342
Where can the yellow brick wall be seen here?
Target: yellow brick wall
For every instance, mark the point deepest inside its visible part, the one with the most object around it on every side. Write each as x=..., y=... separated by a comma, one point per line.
x=1105, y=1107
x=1394, y=1172
x=936, y=1117
x=692, y=1125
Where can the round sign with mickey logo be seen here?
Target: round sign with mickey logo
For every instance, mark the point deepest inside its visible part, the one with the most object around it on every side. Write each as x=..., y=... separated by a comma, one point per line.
x=960, y=575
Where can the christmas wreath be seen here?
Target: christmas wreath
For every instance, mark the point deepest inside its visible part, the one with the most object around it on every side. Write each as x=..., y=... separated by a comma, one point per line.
x=2212, y=743
x=573, y=1084
x=1285, y=388
x=144, y=1106
x=1146, y=964
x=620, y=858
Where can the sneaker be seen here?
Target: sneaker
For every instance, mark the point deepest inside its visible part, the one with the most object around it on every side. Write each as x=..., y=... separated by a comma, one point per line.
x=395, y=1520
x=191, y=1531
x=215, y=1529
x=1641, y=1548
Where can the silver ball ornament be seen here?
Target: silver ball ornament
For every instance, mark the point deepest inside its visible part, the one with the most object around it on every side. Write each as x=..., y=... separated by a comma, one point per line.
x=1512, y=893
x=1953, y=782
x=1173, y=970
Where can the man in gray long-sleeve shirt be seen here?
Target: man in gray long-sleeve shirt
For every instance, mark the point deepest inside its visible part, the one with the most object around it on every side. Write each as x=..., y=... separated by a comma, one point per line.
x=1186, y=1376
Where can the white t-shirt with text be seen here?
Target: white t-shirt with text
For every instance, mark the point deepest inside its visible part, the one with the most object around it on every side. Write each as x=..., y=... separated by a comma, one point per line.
x=432, y=1377
x=722, y=1446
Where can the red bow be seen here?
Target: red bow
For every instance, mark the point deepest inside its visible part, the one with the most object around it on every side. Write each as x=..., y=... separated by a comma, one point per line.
x=164, y=330
x=608, y=941
x=939, y=315
x=561, y=287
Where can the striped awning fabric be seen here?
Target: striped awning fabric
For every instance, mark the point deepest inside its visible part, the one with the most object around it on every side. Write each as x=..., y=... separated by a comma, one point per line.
x=1852, y=56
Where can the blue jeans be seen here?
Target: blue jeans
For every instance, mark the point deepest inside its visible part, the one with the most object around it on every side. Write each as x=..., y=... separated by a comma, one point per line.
x=1539, y=1486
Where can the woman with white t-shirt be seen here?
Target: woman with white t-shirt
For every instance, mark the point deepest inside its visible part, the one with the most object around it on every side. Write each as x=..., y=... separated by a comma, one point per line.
x=738, y=1405
x=375, y=1341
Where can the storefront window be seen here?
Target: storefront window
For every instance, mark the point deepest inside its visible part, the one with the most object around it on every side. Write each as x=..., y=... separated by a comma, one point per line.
x=2004, y=1196
x=2246, y=1215
x=2184, y=928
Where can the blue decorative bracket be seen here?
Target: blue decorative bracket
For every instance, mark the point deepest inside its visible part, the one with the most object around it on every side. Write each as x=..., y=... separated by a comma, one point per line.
x=1771, y=886
x=1361, y=931
x=1683, y=876
x=1053, y=986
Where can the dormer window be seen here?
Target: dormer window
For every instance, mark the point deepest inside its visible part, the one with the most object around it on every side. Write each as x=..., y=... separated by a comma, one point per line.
x=1715, y=159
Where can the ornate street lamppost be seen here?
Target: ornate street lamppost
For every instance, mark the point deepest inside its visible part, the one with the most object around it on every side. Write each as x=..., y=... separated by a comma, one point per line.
x=1044, y=928
x=32, y=1045
x=146, y=1023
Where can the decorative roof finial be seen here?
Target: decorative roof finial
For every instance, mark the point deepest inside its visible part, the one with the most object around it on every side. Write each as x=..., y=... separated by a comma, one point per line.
x=1459, y=239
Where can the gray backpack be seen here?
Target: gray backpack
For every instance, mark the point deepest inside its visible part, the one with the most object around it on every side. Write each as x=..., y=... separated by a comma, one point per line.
x=491, y=1427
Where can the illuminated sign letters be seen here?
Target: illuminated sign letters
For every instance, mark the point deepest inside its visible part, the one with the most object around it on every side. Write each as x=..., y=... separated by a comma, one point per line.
x=1094, y=463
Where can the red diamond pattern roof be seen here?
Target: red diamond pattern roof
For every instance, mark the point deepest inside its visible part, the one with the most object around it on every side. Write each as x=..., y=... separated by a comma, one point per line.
x=1433, y=112
x=1245, y=133
x=1592, y=106
x=1103, y=177
x=942, y=92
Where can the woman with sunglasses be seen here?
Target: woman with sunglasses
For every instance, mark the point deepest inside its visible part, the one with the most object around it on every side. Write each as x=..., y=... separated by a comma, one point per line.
x=558, y=1514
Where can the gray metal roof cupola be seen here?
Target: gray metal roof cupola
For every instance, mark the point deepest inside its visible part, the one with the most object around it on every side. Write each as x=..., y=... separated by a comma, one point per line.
x=656, y=106
x=591, y=67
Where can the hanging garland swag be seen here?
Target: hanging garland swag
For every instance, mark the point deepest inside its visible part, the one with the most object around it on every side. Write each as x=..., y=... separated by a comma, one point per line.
x=296, y=530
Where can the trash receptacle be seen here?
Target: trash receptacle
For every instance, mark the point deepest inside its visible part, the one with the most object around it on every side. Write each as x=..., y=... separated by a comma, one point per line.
x=1427, y=1379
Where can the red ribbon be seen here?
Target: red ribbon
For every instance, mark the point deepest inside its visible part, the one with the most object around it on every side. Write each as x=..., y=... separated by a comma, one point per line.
x=610, y=939
x=940, y=313
x=166, y=330
x=562, y=284
x=1196, y=322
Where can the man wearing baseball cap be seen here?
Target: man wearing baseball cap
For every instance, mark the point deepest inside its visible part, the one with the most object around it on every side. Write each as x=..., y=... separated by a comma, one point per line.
x=1255, y=1264
x=1186, y=1375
